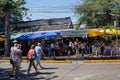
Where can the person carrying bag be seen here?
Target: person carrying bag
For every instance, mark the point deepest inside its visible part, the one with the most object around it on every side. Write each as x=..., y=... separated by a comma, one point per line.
x=31, y=57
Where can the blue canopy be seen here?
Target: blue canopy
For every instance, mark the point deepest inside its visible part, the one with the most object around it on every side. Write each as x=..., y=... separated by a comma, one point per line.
x=13, y=37
x=24, y=36
x=37, y=35
x=50, y=35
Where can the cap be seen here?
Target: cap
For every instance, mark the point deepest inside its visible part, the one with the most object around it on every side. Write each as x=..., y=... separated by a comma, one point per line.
x=15, y=41
x=39, y=44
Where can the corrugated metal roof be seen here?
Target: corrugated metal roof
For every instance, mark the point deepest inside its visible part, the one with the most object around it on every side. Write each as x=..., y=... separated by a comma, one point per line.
x=44, y=25
x=42, y=22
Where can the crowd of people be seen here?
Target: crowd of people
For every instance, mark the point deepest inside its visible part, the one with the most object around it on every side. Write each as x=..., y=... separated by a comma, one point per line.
x=36, y=51
x=65, y=47
x=105, y=49
x=34, y=55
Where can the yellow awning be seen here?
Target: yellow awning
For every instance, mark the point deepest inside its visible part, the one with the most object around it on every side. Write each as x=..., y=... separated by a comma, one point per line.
x=110, y=31
x=2, y=39
x=102, y=32
x=94, y=33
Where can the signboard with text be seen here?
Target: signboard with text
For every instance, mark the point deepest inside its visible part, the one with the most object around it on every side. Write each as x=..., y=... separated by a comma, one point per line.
x=74, y=33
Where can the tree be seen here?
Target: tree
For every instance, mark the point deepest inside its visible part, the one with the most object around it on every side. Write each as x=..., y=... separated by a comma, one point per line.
x=97, y=12
x=11, y=11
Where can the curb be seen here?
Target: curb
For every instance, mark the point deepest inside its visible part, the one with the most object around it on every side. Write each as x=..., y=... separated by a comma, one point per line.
x=42, y=61
x=101, y=61
x=67, y=61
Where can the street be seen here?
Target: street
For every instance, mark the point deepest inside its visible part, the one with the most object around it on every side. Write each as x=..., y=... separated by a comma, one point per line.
x=64, y=71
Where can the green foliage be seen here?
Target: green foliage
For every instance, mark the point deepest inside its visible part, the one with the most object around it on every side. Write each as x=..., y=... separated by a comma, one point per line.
x=91, y=11
x=16, y=9
x=108, y=26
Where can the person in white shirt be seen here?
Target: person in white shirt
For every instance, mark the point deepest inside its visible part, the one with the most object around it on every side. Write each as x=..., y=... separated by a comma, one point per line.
x=17, y=59
x=13, y=48
x=39, y=53
x=70, y=48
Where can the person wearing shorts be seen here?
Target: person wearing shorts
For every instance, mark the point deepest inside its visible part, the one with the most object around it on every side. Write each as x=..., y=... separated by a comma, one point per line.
x=39, y=53
x=13, y=48
x=17, y=59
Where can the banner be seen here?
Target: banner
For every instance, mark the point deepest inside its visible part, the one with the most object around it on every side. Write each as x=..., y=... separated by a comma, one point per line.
x=74, y=33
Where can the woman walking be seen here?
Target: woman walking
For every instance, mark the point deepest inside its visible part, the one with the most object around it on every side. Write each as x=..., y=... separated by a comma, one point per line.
x=31, y=58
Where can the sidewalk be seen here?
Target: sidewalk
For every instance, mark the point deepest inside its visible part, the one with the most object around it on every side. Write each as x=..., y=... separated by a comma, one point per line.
x=72, y=59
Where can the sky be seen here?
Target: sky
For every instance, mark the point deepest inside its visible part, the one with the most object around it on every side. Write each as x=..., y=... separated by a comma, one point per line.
x=46, y=9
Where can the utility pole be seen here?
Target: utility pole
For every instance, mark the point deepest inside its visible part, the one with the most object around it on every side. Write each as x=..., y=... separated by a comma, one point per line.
x=116, y=23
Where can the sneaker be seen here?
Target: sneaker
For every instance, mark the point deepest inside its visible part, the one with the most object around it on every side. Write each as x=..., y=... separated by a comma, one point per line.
x=28, y=74
x=42, y=67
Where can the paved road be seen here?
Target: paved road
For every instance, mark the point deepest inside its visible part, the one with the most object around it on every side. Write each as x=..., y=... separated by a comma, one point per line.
x=66, y=72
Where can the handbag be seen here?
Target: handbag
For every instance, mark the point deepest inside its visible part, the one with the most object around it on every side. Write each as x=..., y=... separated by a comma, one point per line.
x=34, y=56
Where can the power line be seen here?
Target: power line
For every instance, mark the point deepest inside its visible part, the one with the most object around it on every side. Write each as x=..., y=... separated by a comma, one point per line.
x=48, y=11
x=62, y=6
x=51, y=9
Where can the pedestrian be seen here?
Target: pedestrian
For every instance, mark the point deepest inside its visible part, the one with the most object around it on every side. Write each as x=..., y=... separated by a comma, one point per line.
x=39, y=52
x=31, y=57
x=77, y=48
x=12, y=50
x=49, y=50
x=70, y=48
x=52, y=45
x=83, y=47
x=17, y=59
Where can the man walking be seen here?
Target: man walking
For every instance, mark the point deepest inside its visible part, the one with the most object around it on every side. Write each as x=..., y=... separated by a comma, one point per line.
x=39, y=52
x=17, y=59
x=12, y=51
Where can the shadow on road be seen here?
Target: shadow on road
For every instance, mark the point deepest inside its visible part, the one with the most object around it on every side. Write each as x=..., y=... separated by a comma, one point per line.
x=6, y=72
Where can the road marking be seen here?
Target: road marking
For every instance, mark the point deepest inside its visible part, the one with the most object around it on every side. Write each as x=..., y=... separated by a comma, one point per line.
x=83, y=77
x=87, y=76
x=77, y=78
x=118, y=75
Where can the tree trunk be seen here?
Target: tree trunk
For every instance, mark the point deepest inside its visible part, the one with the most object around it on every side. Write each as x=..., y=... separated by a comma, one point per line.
x=7, y=34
